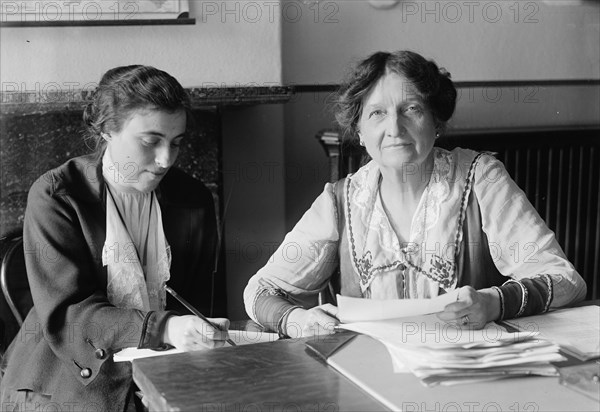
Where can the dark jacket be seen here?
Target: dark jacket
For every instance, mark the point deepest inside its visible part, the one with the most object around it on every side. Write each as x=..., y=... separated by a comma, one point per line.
x=65, y=346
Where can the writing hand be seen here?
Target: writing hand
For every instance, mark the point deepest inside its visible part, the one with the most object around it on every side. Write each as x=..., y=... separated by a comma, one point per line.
x=317, y=321
x=191, y=333
x=473, y=308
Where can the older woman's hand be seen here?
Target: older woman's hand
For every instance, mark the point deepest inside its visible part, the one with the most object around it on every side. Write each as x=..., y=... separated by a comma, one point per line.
x=320, y=320
x=473, y=308
x=191, y=333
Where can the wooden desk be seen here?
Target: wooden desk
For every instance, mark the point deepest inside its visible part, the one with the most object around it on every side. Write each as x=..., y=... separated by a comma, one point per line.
x=278, y=376
x=285, y=376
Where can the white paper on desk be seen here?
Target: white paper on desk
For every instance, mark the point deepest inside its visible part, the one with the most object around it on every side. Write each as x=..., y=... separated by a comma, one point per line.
x=361, y=310
x=428, y=330
x=129, y=354
x=248, y=337
x=576, y=330
x=240, y=337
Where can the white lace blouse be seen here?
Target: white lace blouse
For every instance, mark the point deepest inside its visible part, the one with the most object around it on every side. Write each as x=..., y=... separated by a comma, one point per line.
x=135, y=252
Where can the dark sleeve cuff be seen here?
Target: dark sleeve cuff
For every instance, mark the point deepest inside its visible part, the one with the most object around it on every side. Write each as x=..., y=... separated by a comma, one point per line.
x=270, y=310
x=153, y=329
x=526, y=297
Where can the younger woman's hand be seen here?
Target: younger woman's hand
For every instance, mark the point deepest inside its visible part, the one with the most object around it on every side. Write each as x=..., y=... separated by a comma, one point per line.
x=320, y=320
x=473, y=308
x=191, y=333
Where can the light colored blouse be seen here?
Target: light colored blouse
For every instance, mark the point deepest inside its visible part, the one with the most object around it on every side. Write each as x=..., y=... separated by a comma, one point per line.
x=520, y=243
x=135, y=252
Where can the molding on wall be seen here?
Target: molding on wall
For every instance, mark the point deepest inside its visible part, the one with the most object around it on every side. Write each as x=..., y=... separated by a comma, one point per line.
x=39, y=102
x=311, y=88
x=519, y=130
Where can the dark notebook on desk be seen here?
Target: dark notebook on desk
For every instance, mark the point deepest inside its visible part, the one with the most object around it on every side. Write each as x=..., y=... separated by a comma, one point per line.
x=325, y=346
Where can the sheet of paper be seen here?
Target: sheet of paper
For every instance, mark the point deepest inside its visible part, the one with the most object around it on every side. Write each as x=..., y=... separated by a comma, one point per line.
x=129, y=354
x=576, y=330
x=428, y=330
x=362, y=310
x=240, y=337
x=248, y=337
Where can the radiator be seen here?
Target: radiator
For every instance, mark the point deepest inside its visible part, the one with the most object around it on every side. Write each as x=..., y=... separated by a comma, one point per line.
x=563, y=184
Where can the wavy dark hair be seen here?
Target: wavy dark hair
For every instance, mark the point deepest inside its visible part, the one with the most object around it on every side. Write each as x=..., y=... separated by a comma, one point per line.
x=432, y=83
x=123, y=90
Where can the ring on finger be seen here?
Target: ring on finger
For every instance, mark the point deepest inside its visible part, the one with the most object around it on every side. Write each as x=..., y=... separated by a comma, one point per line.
x=464, y=320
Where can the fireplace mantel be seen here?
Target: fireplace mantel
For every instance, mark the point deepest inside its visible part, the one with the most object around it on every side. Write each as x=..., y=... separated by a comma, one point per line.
x=52, y=101
x=40, y=129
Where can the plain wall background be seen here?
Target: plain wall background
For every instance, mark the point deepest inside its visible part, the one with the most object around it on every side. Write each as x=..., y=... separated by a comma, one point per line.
x=224, y=48
x=474, y=40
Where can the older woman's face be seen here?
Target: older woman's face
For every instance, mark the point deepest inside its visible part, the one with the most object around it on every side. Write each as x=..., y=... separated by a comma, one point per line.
x=396, y=126
x=146, y=147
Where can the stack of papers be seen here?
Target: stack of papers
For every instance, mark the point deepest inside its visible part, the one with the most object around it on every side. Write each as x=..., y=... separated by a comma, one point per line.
x=576, y=330
x=440, y=353
x=443, y=354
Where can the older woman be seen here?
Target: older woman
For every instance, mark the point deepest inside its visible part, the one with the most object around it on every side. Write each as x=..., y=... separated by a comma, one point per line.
x=416, y=221
x=115, y=226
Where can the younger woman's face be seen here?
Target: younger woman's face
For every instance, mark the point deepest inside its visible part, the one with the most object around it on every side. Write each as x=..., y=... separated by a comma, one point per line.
x=146, y=147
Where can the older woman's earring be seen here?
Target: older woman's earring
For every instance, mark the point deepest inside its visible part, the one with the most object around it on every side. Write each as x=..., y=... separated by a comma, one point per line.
x=360, y=140
x=437, y=135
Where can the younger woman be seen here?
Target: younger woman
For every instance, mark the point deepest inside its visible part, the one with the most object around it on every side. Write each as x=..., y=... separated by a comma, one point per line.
x=103, y=234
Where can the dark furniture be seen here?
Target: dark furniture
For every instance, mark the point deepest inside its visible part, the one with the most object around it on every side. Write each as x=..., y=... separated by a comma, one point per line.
x=286, y=376
x=277, y=376
x=15, y=300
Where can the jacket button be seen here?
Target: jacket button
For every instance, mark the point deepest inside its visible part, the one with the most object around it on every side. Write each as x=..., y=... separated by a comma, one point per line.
x=100, y=353
x=85, y=373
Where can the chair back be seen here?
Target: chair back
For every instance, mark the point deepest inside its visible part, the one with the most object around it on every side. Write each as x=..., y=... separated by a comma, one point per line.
x=16, y=295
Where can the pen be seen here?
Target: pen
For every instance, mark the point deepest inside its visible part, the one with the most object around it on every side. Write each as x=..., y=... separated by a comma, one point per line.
x=195, y=311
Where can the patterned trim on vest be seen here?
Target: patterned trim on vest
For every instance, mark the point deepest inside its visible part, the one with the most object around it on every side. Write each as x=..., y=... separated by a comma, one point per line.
x=442, y=272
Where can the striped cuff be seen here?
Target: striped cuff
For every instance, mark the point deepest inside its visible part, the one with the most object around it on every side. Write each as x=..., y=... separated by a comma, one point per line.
x=527, y=296
x=524, y=296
